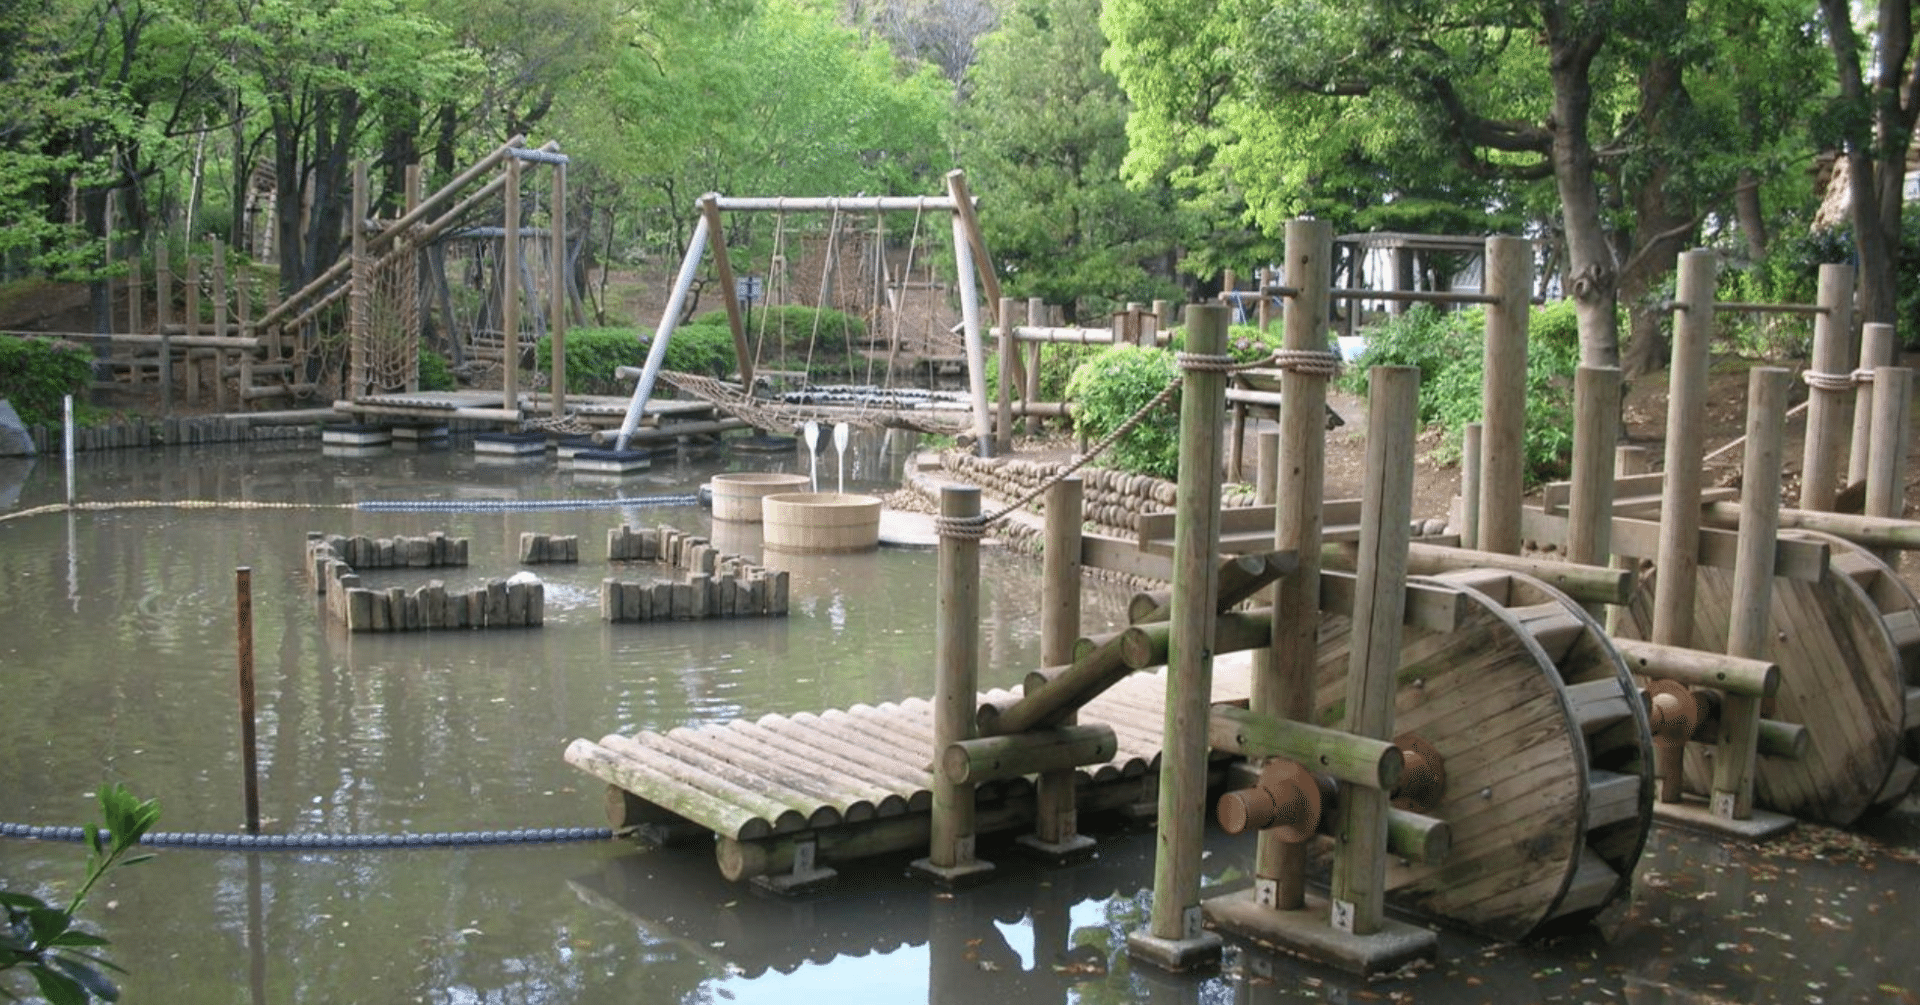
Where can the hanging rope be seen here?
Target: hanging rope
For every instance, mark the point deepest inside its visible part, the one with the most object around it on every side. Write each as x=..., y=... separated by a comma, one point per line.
x=826, y=273
x=899, y=302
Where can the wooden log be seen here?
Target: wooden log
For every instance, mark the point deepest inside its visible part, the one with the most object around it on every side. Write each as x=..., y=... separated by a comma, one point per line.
x=1695, y=668
x=1357, y=760
x=1239, y=578
x=1886, y=456
x=1584, y=583
x=1360, y=864
x=1056, y=822
x=1829, y=385
x=709, y=805
x=1878, y=533
x=1470, y=453
x=996, y=758
x=1679, y=552
x=1596, y=427
x=1749, y=621
x=1783, y=739
x=1183, y=760
x=1503, y=455
x=957, y=668
x=1877, y=349
x=1283, y=677
x=1803, y=561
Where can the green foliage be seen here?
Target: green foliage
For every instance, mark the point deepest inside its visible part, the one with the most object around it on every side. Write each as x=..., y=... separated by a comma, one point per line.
x=42, y=940
x=435, y=373
x=593, y=354
x=1245, y=343
x=36, y=373
x=1108, y=389
x=1042, y=134
x=792, y=326
x=1449, y=350
x=1790, y=274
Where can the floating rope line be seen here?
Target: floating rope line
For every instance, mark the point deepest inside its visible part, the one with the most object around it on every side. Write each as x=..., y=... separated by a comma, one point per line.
x=294, y=842
x=517, y=505
x=371, y=505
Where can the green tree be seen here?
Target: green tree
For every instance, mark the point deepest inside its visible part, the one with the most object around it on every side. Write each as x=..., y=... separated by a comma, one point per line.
x=1591, y=95
x=1873, y=118
x=1042, y=133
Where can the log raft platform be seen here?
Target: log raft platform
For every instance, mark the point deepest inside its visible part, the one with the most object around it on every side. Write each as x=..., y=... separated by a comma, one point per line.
x=852, y=783
x=599, y=411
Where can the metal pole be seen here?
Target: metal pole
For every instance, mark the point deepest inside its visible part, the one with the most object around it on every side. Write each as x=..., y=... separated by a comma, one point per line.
x=657, y=353
x=249, y=755
x=68, y=448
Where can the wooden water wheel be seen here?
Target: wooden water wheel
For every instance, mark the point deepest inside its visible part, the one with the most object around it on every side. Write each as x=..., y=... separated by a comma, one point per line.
x=1549, y=763
x=1847, y=647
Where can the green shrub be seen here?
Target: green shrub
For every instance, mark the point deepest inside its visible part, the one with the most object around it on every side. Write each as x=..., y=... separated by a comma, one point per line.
x=593, y=354
x=1109, y=388
x=36, y=373
x=793, y=327
x=435, y=373
x=1245, y=343
x=1449, y=350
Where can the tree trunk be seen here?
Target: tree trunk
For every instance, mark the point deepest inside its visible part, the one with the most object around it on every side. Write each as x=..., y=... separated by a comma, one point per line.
x=1592, y=281
x=1660, y=228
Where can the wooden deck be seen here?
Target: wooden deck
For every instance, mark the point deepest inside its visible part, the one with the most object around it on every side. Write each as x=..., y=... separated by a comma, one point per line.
x=604, y=411
x=856, y=782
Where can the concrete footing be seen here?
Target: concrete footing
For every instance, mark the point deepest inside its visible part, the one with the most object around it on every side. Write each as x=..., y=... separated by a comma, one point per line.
x=1201, y=950
x=1307, y=934
x=1694, y=814
x=427, y=431
x=964, y=874
x=612, y=462
x=354, y=435
x=1075, y=847
x=510, y=444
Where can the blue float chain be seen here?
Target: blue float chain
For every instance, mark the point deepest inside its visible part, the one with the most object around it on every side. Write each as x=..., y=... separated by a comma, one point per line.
x=278, y=842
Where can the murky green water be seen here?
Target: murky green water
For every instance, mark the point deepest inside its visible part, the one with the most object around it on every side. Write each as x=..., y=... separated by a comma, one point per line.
x=119, y=665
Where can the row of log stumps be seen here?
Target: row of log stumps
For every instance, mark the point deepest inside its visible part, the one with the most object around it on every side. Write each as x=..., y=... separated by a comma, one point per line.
x=703, y=582
x=519, y=602
x=542, y=549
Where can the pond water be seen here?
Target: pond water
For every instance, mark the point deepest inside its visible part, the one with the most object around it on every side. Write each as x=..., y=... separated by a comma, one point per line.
x=119, y=665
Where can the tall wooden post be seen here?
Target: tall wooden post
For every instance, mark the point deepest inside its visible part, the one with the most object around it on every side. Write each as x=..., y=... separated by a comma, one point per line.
x=1261, y=277
x=192, y=285
x=1748, y=622
x=1266, y=465
x=1472, y=438
x=1008, y=357
x=134, y=293
x=1876, y=350
x=1829, y=381
x=1036, y=318
x=1627, y=460
x=1886, y=460
x=360, y=308
x=1596, y=425
x=1679, y=558
x=411, y=292
x=510, y=292
x=1283, y=675
x=1174, y=938
x=1504, y=409
x=558, y=280
x=163, y=322
x=220, y=323
x=1056, y=820
x=723, y=271
x=1360, y=865
x=957, y=668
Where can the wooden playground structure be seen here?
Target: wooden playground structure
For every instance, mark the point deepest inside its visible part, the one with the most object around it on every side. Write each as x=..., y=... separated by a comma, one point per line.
x=1453, y=713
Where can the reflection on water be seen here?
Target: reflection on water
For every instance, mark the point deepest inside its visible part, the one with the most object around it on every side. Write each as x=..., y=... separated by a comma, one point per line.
x=119, y=666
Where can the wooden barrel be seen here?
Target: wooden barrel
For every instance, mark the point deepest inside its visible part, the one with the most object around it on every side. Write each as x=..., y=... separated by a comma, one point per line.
x=737, y=495
x=820, y=523
x=1844, y=646
x=1548, y=759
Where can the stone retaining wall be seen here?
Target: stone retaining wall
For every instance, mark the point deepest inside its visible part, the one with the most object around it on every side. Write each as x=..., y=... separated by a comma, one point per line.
x=166, y=432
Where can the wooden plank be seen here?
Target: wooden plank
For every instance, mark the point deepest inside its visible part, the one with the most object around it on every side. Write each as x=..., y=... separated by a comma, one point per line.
x=1599, y=704
x=1593, y=882
x=787, y=811
x=712, y=806
x=901, y=786
x=1611, y=798
x=1157, y=528
x=1801, y=560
